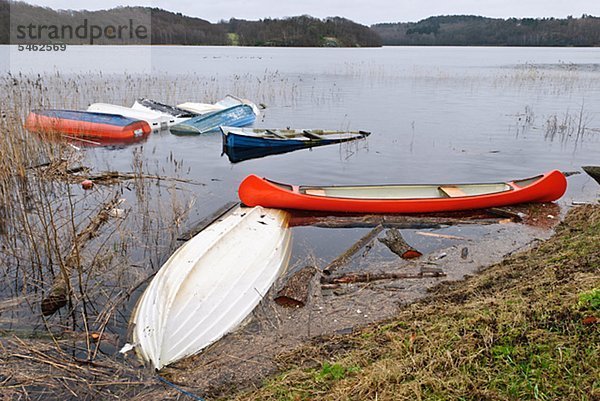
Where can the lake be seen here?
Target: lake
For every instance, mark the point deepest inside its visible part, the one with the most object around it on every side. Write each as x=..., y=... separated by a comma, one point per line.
x=437, y=115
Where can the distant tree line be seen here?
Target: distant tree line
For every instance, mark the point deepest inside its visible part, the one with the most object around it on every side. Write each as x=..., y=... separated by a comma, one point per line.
x=27, y=22
x=164, y=27
x=468, y=30
x=302, y=31
x=177, y=29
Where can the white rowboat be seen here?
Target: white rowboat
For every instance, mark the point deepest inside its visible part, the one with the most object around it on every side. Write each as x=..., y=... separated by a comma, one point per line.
x=211, y=284
x=157, y=121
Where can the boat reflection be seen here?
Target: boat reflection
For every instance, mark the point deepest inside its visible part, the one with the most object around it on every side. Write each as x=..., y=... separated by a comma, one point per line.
x=236, y=154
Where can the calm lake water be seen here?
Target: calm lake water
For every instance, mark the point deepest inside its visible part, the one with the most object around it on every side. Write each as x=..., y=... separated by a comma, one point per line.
x=436, y=114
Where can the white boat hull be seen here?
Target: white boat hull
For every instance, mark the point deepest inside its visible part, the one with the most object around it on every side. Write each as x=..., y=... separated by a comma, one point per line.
x=211, y=284
x=157, y=121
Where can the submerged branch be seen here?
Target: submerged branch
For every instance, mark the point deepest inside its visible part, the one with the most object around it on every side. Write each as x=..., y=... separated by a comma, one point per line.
x=61, y=287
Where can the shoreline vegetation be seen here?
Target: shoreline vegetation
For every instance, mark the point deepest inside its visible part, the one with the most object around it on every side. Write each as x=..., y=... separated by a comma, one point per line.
x=162, y=27
x=524, y=329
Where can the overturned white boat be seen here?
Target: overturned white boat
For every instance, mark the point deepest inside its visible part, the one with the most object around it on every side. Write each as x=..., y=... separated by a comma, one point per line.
x=156, y=120
x=225, y=103
x=176, y=114
x=210, y=284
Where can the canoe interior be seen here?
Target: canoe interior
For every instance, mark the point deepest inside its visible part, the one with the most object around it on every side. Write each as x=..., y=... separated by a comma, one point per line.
x=526, y=181
x=431, y=191
x=404, y=191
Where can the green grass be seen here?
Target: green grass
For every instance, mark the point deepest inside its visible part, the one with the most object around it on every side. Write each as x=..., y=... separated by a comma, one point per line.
x=234, y=39
x=590, y=299
x=518, y=331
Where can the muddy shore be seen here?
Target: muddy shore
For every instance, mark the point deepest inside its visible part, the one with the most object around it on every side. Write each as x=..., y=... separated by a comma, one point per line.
x=435, y=330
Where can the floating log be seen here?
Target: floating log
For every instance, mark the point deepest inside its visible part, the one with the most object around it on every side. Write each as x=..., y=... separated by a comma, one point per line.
x=368, y=277
x=394, y=241
x=593, y=171
x=61, y=287
x=344, y=257
x=388, y=221
x=294, y=292
x=205, y=222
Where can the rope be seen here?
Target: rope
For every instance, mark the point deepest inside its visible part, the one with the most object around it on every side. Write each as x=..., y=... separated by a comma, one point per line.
x=182, y=391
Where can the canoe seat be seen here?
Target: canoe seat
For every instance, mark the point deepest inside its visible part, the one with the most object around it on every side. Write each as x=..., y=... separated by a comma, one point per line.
x=316, y=192
x=275, y=134
x=311, y=135
x=452, y=191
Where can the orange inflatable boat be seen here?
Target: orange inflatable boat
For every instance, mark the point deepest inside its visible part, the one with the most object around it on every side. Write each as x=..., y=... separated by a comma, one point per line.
x=254, y=191
x=86, y=124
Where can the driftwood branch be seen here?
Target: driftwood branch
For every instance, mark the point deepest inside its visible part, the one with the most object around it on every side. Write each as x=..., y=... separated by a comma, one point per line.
x=109, y=177
x=61, y=287
x=294, y=292
x=345, y=257
x=503, y=212
x=394, y=241
x=368, y=277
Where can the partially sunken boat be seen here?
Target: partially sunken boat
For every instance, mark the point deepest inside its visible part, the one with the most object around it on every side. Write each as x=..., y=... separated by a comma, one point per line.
x=410, y=198
x=236, y=116
x=211, y=284
x=179, y=115
x=226, y=102
x=156, y=120
x=85, y=124
x=285, y=138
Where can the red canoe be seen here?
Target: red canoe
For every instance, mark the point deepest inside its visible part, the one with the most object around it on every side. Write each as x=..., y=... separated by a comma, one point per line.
x=425, y=198
x=86, y=124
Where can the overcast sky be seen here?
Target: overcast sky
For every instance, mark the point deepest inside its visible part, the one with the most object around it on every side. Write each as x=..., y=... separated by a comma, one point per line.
x=363, y=11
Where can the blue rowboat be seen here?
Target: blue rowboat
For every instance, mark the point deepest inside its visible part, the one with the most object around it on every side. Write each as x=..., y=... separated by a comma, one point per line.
x=241, y=144
x=236, y=116
x=285, y=138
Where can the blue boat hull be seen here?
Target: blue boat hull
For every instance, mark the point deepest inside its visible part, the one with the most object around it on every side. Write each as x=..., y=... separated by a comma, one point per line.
x=239, y=148
x=236, y=116
x=240, y=154
x=233, y=140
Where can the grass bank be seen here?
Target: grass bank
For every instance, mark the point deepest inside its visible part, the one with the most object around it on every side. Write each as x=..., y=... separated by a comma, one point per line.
x=523, y=329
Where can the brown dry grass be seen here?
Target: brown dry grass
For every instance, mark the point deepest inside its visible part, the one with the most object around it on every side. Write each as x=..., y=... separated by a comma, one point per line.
x=520, y=330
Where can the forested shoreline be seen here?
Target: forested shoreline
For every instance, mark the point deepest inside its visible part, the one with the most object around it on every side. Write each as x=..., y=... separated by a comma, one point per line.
x=169, y=28
x=470, y=30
